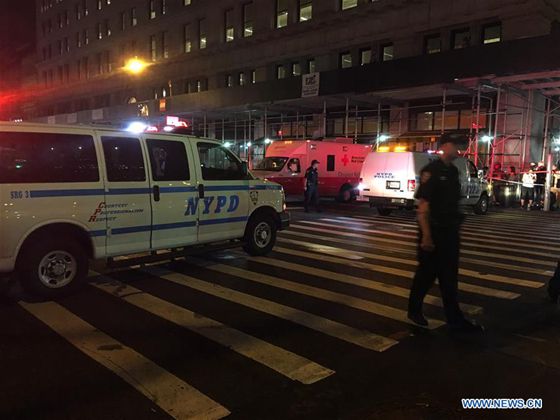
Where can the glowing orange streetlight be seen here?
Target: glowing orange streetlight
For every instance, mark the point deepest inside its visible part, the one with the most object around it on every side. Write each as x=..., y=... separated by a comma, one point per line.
x=135, y=66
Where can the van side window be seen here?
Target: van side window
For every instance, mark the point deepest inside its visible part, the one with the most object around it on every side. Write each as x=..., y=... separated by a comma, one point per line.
x=294, y=166
x=168, y=160
x=47, y=158
x=330, y=163
x=124, y=160
x=218, y=163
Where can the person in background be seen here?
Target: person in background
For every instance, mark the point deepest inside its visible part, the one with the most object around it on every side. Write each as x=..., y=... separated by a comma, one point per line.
x=540, y=183
x=528, y=189
x=498, y=184
x=312, y=186
x=555, y=188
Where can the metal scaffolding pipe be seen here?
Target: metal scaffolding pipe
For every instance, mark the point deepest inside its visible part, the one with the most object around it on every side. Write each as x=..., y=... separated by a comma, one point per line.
x=548, y=154
x=346, y=118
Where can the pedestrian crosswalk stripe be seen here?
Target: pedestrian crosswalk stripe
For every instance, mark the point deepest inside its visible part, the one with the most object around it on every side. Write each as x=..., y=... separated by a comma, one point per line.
x=474, y=237
x=325, y=326
x=464, y=243
x=282, y=361
x=346, y=300
x=176, y=397
x=463, y=271
x=515, y=258
x=412, y=260
x=467, y=287
x=504, y=239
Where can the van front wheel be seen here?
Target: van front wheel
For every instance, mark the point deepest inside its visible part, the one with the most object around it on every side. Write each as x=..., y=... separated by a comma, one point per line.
x=53, y=268
x=481, y=207
x=260, y=235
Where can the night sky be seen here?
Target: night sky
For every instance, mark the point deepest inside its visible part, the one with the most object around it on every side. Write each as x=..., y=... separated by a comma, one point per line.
x=17, y=29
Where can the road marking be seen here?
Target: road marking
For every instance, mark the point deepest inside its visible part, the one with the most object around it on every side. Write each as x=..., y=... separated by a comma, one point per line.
x=410, y=244
x=412, y=260
x=397, y=272
x=340, y=298
x=176, y=397
x=414, y=232
x=282, y=361
x=326, y=326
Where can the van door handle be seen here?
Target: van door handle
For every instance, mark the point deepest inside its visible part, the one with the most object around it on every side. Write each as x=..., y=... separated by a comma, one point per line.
x=156, y=193
x=200, y=190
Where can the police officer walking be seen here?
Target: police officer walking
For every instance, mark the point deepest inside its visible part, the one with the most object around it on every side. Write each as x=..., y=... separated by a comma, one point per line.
x=312, y=186
x=439, y=219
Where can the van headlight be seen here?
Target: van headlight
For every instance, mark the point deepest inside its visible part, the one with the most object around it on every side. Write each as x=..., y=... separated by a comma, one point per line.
x=284, y=206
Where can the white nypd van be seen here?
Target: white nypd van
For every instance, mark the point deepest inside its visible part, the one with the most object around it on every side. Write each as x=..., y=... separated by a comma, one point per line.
x=73, y=194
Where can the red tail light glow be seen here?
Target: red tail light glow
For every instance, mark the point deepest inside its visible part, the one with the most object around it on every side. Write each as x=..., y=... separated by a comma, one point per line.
x=411, y=185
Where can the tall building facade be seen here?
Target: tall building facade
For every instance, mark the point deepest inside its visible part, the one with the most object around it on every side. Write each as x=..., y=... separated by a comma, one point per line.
x=391, y=69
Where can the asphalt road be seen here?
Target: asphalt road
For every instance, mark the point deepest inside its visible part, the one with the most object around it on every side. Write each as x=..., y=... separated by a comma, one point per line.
x=316, y=330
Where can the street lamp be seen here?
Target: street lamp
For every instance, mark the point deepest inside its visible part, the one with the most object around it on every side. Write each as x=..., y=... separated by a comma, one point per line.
x=135, y=66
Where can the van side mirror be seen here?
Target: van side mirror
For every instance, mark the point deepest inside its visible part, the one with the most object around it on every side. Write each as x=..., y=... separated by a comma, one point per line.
x=481, y=173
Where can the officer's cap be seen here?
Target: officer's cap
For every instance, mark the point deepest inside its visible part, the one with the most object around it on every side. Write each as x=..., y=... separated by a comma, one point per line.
x=314, y=161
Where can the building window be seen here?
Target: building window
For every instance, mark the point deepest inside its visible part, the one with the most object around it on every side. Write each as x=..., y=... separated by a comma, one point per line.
x=305, y=10
x=187, y=2
x=492, y=33
x=242, y=79
x=281, y=13
x=280, y=72
x=78, y=12
x=85, y=9
x=187, y=38
x=460, y=38
x=199, y=86
x=365, y=56
x=99, y=31
x=311, y=66
x=432, y=44
x=99, y=4
x=248, y=20
x=202, y=37
x=229, y=80
x=163, y=7
x=229, y=28
x=123, y=21
x=133, y=18
x=86, y=37
x=165, y=44
x=348, y=4
x=296, y=69
x=345, y=60
x=78, y=40
x=66, y=45
x=253, y=76
x=151, y=9
x=153, y=47
x=387, y=52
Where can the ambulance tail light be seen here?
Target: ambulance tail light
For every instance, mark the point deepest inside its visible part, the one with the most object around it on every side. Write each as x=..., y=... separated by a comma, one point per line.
x=411, y=185
x=361, y=185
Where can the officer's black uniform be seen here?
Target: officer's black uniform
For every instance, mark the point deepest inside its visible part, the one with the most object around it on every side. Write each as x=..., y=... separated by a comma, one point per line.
x=442, y=190
x=312, y=188
x=554, y=285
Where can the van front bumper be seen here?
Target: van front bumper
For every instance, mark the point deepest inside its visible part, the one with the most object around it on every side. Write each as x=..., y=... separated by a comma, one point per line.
x=284, y=220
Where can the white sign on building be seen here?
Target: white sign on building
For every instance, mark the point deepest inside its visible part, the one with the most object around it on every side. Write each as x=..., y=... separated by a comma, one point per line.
x=310, y=85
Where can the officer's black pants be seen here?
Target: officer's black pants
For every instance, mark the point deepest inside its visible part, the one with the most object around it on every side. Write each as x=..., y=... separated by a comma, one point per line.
x=554, y=282
x=443, y=264
x=311, y=197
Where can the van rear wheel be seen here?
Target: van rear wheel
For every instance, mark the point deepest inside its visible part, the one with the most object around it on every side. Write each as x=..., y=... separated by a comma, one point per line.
x=260, y=235
x=481, y=207
x=346, y=194
x=383, y=211
x=53, y=268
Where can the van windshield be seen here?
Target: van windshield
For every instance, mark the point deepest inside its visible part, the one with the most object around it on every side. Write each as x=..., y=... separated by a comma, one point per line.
x=272, y=164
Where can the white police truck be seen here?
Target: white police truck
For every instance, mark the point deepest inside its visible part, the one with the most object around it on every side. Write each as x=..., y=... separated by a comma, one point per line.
x=71, y=194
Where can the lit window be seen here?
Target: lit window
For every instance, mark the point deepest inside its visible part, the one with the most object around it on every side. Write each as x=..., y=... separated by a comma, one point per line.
x=229, y=29
x=229, y=80
x=365, y=57
x=248, y=20
x=280, y=72
x=107, y=28
x=345, y=60
x=99, y=32
x=152, y=9
x=461, y=39
x=187, y=39
x=85, y=7
x=242, y=79
x=311, y=66
x=432, y=44
x=133, y=18
x=387, y=52
x=165, y=44
x=296, y=69
x=281, y=13
x=492, y=33
x=187, y=2
x=99, y=4
x=305, y=10
x=348, y=4
x=153, y=47
x=202, y=38
x=86, y=37
x=253, y=77
x=199, y=85
x=163, y=7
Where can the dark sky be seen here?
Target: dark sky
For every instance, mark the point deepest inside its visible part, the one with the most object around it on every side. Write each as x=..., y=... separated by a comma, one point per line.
x=17, y=28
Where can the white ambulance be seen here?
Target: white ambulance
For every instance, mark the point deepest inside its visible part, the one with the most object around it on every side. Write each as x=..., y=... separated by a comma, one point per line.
x=73, y=194
x=340, y=163
x=389, y=181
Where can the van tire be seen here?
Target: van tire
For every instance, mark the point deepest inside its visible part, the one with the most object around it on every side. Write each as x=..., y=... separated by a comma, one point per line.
x=346, y=194
x=256, y=244
x=481, y=208
x=67, y=255
x=383, y=211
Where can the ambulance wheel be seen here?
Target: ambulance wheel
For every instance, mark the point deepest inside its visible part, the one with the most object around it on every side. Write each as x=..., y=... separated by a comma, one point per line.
x=383, y=211
x=346, y=194
x=260, y=235
x=482, y=206
x=53, y=267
